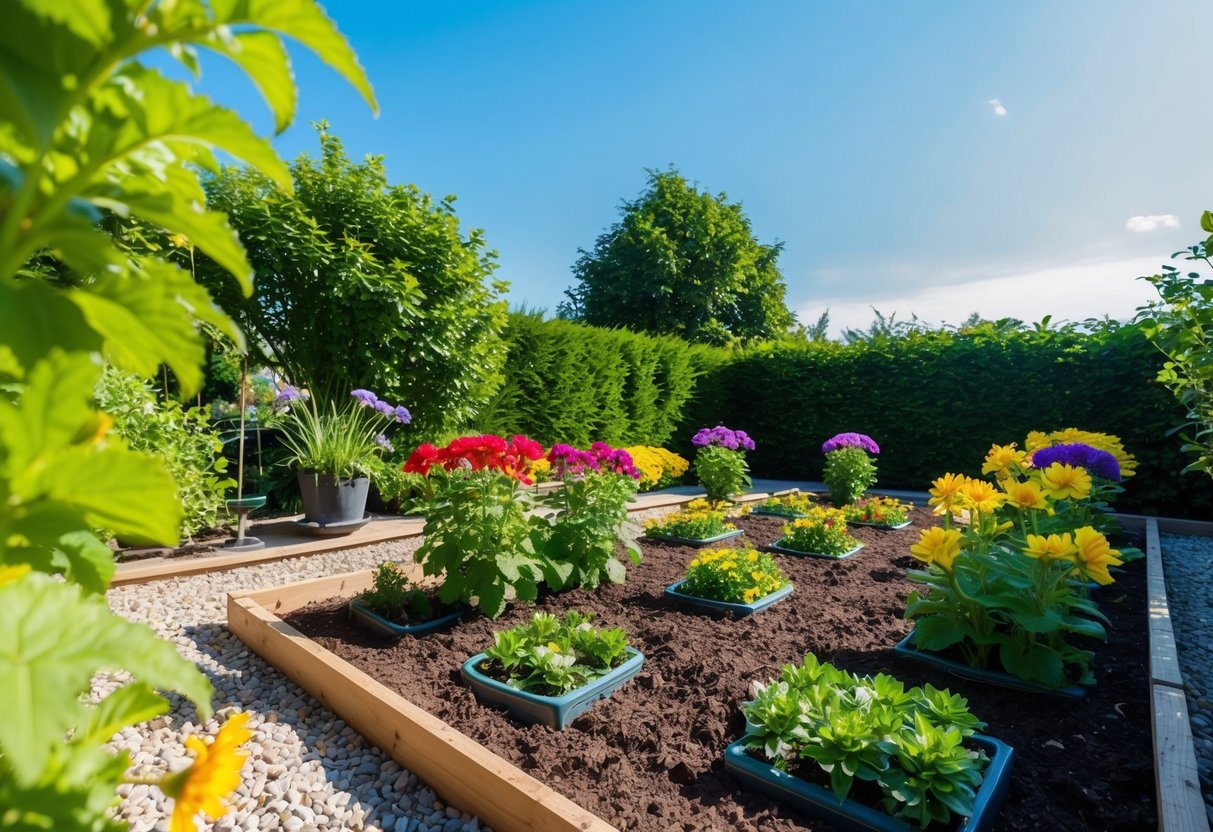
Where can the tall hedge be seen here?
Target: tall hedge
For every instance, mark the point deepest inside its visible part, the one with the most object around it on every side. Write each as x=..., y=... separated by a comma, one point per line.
x=936, y=401
x=568, y=382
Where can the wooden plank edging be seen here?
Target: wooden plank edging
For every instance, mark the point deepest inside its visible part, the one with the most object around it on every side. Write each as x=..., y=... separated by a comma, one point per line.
x=1181, y=806
x=464, y=773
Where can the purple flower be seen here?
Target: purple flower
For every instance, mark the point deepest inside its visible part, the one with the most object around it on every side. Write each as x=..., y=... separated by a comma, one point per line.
x=568, y=461
x=382, y=442
x=851, y=440
x=402, y=415
x=289, y=393
x=384, y=409
x=365, y=397
x=724, y=437
x=1096, y=462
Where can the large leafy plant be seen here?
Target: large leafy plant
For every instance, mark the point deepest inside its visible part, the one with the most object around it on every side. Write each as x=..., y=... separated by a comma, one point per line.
x=849, y=471
x=720, y=461
x=549, y=656
x=86, y=129
x=818, y=721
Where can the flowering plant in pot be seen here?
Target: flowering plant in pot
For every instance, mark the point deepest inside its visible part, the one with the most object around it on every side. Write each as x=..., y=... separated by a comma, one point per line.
x=796, y=504
x=480, y=534
x=821, y=532
x=720, y=462
x=700, y=521
x=740, y=579
x=591, y=515
x=332, y=449
x=882, y=512
x=849, y=471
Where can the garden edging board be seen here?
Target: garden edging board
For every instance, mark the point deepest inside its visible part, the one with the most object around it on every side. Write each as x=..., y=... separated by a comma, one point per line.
x=464, y=773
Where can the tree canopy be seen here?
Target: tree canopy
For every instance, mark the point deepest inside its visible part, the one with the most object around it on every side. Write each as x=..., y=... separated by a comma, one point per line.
x=364, y=284
x=681, y=261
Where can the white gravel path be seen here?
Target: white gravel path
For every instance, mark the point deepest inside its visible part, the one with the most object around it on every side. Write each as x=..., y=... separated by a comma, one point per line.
x=307, y=770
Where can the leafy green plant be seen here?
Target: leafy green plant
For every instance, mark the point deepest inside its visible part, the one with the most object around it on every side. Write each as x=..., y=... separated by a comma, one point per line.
x=849, y=471
x=480, y=529
x=736, y=575
x=720, y=461
x=85, y=128
x=817, y=721
x=591, y=516
x=181, y=438
x=399, y=490
x=789, y=505
x=822, y=531
x=337, y=441
x=700, y=520
x=879, y=511
x=551, y=657
x=396, y=597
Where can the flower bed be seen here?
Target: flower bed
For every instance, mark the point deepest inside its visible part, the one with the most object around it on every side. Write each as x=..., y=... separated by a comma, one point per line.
x=663, y=735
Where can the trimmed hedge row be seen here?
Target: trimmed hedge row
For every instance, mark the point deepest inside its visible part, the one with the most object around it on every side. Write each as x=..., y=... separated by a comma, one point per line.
x=936, y=401
x=567, y=382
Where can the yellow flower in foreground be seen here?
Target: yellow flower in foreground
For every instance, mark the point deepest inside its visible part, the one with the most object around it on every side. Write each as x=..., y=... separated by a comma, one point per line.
x=980, y=496
x=1066, y=482
x=945, y=492
x=1053, y=547
x=1093, y=555
x=214, y=775
x=1036, y=439
x=1025, y=495
x=8, y=574
x=937, y=545
x=1002, y=457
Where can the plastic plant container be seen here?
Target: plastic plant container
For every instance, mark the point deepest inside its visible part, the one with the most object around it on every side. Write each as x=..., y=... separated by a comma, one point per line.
x=906, y=648
x=766, y=512
x=691, y=541
x=373, y=621
x=906, y=524
x=778, y=546
x=762, y=603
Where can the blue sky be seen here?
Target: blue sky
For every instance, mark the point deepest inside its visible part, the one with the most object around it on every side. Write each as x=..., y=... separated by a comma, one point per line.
x=1023, y=158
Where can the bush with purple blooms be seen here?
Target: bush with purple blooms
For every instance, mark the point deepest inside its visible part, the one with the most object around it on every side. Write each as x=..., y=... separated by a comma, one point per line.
x=849, y=471
x=342, y=441
x=720, y=461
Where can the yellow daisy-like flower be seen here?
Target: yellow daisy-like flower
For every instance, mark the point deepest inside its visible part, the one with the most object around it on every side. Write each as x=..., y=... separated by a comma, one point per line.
x=1001, y=458
x=8, y=574
x=214, y=775
x=1053, y=547
x=554, y=647
x=750, y=595
x=945, y=492
x=980, y=496
x=1093, y=555
x=1024, y=495
x=1065, y=482
x=1036, y=439
x=937, y=545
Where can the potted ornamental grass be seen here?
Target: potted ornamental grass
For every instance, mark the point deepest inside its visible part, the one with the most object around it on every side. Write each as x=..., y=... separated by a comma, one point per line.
x=739, y=580
x=866, y=753
x=720, y=462
x=551, y=670
x=821, y=533
x=849, y=469
x=698, y=524
x=331, y=449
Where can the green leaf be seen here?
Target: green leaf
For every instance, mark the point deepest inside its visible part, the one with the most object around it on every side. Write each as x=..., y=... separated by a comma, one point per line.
x=34, y=319
x=491, y=599
x=55, y=639
x=88, y=19
x=128, y=705
x=615, y=571
x=935, y=632
x=52, y=411
x=265, y=60
x=1206, y=222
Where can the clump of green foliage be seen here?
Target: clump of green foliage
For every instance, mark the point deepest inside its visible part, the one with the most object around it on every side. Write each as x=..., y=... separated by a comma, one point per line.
x=397, y=598
x=551, y=657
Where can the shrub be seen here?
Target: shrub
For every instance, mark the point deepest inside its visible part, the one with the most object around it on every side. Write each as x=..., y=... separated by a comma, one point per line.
x=179, y=437
x=700, y=520
x=550, y=657
x=720, y=461
x=822, y=531
x=658, y=467
x=849, y=471
x=737, y=576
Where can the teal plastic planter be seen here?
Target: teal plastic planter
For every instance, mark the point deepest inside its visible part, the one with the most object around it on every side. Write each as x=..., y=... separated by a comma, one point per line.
x=373, y=621
x=690, y=541
x=766, y=512
x=906, y=648
x=850, y=816
x=672, y=593
x=881, y=525
x=553, y=711
x=778, y=546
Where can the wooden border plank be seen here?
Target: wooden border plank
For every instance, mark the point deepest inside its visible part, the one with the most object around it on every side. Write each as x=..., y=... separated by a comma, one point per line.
x=1164, y=658
x=1181, y=807
x=464, y=773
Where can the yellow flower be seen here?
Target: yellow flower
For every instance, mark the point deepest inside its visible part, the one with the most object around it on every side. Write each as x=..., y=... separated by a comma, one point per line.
x=1093, y=555
x=1053, y=547
x=1001, y=458
x=752, y=557
x=1024, y=495
x=1036, y=439
x=8, y=574
x=937, y=545
x=980, y=496
x=945, y=492
x=214, y=774
x=750, y=595
x=1065, y=482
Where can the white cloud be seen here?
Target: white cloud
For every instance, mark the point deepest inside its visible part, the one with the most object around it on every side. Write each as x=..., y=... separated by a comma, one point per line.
x=1150, y=222
x=999, y=109
x=1086, y=289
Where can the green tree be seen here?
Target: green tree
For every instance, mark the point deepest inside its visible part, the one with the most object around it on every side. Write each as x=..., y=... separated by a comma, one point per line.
x=85, y=129
x=1180, y=324
x=684, y=262
x=364, y=284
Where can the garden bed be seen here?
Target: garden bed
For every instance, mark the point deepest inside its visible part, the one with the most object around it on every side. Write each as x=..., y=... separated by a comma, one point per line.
x=650, y=756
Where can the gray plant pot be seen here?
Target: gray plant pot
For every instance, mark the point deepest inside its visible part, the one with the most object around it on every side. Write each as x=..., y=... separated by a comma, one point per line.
x=329, y=501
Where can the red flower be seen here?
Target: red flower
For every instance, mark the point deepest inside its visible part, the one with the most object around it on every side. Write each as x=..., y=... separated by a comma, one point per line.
x=420, y=460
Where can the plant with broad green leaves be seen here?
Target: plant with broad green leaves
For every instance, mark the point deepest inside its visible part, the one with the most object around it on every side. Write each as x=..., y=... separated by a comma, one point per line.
x=181, y=438
x=85, y=129
x=817, y=721
x=550, y=656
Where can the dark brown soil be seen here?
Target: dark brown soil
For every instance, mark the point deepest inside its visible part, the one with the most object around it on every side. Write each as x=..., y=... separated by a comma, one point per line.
x=649, y=757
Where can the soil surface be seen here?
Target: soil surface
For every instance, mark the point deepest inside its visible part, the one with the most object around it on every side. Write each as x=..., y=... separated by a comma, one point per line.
x=649, y=757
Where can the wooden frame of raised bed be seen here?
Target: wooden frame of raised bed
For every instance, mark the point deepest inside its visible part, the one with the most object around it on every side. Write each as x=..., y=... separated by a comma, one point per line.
x=464, y=773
